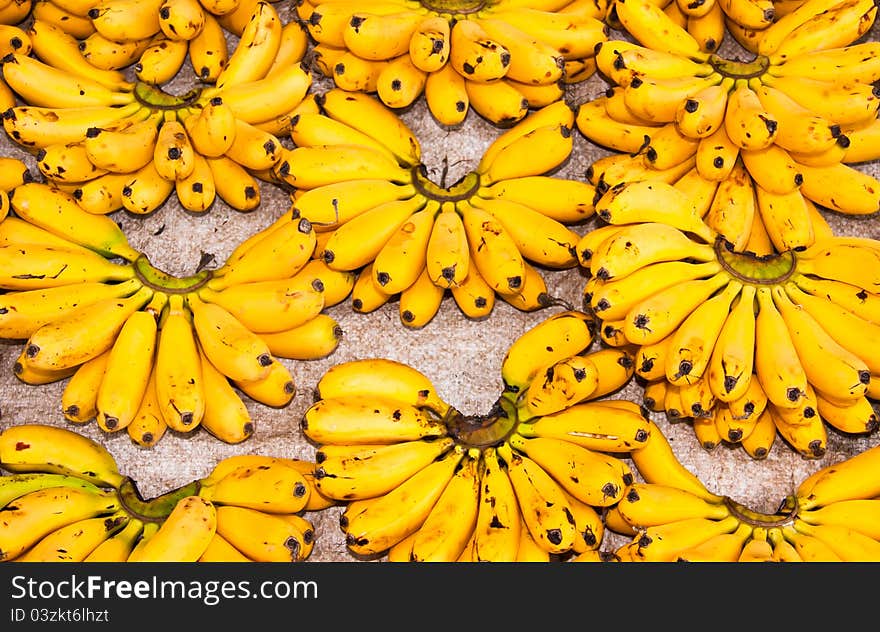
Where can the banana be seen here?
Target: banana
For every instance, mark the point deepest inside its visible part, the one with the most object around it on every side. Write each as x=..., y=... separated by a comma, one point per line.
x=800, y=128
x=211, y=129
x=845, y=327
x=58, y=213
x=834, y=259
x=702, y=113
x=312, y=167
x=850, y=297
x=778, y=367
x=404, y=253
x=184, y=534
x=496, y=255
x=657, y=99
x=383, y=378
x=327, y=21
x=645, y=505
x=595, y=123
x=66, y=163
x=178, y=367
x=622, y=60
x=612, y=300
x=118, y=546
x=271, y=487
x=665, y=542
x=400, y=82
x=31, y=267
x=639, y=245
x=851, y=417
x=354, y=74
x=17, y=485
x=148, y=425
x=208, y=49
x=369, y=116
x=650, y=364
x=336, y=284
x=389, y=518
x=474, y=297
x=181, y=19
x=421, y=301
x=533, y=60
x=566, y=201
x=146, y=190
x=543, y=505
x=80, y=394
x=256, y=49
x=161, y=61
x=261, y=536
x=731, y=362
x=452, y=521
x=783, y=550
x=81, y=333
x=122, y=20
x=847, y=543
x=35, y=376
x=360, y=419
x=128, y=368
x=854, y=62
x=498, y=102
x=858, y=194
x=555, y=338
x=37, y=514
x=446, y=95
x=474, y=54
x=658, y=464
x=75, y=541
x=594, y=426
x=347, y=248
x=381, y=36
x=40, y=84
x=225, y=414
x=429, y=44
x=559, y=113
x=803, y=429
x=850, y=103
x=235, y=350
x=752, y=14
x=124, y=146
x=80, y=26
x=847, y=20
x=220, y=550
x=197, y=192
x=841, y=481
x=652, y=28
x=593, y=478
x=760, y=440
x=60, y=49
x=859, y=514
x=372, y=471
x=233, y=16
x=809, y=548
x=668, y=147
x=107, y=54
x=747, y=123
x=843, y=374
x=367, y=295
x=499, y=524
x=269, y=306
x=565, y=382
x=725, y=547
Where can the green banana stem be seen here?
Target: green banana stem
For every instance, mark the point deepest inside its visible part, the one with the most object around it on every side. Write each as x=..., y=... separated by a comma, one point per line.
x=163, y=282
x=155, y=98
x=155, y=509
x=749, y=267
x=786, y=514
x=740, y=69
x=455, y=7
x=479, y=431
x=465, y=188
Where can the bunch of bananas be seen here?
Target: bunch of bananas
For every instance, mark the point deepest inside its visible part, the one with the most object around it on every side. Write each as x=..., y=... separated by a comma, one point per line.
x=499, y=58
x=66, y=501
x=119, y=144
x=144, y=350
x=526, y=481
x=831, y=516
x=744, y=345
x=773, y=137
x=154, y=37
x=358, y=178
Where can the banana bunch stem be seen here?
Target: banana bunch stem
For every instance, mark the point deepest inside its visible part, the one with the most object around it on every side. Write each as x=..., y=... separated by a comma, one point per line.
x=162, y=281
x=154, y=509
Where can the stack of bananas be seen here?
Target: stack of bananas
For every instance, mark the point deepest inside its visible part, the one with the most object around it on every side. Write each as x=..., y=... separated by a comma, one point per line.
x=525, y=482
x=118, y=144
x=743, y=345
x=144, y=350
x=774, y=137
x=832, y=515
x=499, y=58
x=153, y=37
x=66, y=501
x=358, y=178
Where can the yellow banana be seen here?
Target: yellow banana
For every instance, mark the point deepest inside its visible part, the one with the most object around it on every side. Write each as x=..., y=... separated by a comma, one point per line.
x=118, y=546
x=593, y=426
x=173, y=153
x=208, y=49
x=850, y=19
x=730, y=366
x=652, y=28
x=146, y=190
x=256, y=49
x=225, y=414
x=843, y=103
x=834, y=64
x=79, y=399
x=148, y=425
x=499, y=523
x=703, y=112
x=80, y=26
x=312, y=167
x=358, y=419
x=178, y=368
x=565, y=382
x=499, y=102
x=128, y=369
x=399, y=82
x=271, y=487
x=494, y=251
x=421, y=301
x=160, y=62
x=855, y=190
x=181, y=19
x=841, y=481
x=565, y=200
x=658, y=99
x=381, y=377
x=595, y=123
x=759, y=442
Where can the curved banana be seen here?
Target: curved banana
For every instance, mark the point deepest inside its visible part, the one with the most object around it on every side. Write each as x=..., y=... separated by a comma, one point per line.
x=76, y=541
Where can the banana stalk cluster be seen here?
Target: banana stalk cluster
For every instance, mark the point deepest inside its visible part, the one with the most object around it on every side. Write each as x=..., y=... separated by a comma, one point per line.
x=832, y=516
x=357, y=176
x=526, y=482
x=774, y=137
x=497, y=57
x=745, y=346
x=66, y=501
x=145, y=351
x=118, y=144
